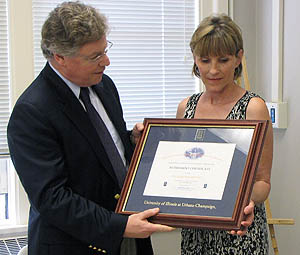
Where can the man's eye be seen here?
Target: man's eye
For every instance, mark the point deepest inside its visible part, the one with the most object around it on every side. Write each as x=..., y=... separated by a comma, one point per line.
x=95, y=57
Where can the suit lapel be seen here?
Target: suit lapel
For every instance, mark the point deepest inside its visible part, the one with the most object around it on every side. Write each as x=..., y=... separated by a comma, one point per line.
x=73, y=109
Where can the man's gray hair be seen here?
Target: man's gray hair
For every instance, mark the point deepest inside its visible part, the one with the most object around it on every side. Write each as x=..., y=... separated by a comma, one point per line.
x=70, y=26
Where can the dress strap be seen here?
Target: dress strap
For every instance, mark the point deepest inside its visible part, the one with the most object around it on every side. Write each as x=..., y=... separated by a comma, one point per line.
x=191, y=105
x=238, y=112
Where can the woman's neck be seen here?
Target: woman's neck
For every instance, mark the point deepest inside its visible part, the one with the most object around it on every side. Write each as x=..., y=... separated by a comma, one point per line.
x=229, y=94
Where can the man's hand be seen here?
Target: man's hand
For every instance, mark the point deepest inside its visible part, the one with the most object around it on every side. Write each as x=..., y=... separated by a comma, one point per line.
x=139, y=227
x=249, y=217
x=137, y=132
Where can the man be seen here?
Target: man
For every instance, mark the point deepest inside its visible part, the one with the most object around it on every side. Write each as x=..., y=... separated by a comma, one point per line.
x=60, y=155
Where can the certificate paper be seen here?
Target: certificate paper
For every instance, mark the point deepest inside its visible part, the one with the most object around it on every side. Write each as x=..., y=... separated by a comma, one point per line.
x=190, y=170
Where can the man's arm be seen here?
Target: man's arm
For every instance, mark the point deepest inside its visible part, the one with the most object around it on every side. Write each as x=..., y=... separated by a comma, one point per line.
x=39, y=159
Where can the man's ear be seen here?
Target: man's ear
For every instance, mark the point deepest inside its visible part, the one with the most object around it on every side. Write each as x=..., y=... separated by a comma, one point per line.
x=59, y=59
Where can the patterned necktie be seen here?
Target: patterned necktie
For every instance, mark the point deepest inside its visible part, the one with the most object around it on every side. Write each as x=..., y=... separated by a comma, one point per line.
x=105, y=137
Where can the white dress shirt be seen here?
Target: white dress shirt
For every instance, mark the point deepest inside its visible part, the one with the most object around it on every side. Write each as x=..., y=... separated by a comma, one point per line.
x=96, y=102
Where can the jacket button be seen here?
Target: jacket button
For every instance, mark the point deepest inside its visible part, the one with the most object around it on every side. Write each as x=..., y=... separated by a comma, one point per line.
x=117, y=196
x=104, y=251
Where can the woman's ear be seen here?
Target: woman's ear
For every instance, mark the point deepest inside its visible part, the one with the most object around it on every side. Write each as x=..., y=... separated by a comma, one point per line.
x=239, y=57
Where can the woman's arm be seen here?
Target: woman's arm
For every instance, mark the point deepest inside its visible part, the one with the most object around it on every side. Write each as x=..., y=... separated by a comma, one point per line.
x=257, y=110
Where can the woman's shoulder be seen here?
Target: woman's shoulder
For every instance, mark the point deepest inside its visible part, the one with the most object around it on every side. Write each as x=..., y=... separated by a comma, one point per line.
x=185, y=104
x=181, y=108
x=257, y=107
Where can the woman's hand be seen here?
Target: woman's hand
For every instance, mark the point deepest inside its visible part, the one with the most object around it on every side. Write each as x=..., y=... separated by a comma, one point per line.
x=249, y=217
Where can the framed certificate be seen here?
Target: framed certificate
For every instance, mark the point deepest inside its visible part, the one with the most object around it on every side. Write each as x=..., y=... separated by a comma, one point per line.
x=200, y=173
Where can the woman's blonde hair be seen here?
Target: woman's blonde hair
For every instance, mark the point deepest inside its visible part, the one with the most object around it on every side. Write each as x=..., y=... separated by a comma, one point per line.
x=217, y=35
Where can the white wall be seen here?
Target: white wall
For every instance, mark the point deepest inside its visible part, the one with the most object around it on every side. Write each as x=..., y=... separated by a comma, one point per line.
x=166, y=243
x=286, y=175
x=255, y=18
x=21, y=73
x=244, y=13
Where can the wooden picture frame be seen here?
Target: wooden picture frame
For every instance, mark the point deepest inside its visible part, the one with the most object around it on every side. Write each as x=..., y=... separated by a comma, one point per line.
x=200, y=173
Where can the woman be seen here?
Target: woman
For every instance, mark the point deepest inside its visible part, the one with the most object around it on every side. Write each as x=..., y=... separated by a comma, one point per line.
x=217, y=47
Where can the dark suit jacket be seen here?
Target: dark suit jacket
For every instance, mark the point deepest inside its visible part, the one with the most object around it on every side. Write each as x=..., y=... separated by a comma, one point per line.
x=65, y=170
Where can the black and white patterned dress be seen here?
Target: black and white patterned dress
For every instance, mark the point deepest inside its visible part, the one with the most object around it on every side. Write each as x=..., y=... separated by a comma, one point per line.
x=214, y=242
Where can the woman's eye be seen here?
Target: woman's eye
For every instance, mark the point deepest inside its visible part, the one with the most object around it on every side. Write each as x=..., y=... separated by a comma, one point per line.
x=224, y=60
x=204, y=60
